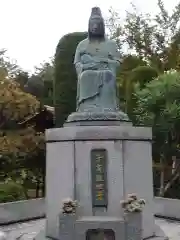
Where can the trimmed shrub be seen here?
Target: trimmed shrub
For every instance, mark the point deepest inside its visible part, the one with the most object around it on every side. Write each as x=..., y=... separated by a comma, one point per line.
x=10, y=192
x=143, y=75
x=65, y=83
x=140, y=75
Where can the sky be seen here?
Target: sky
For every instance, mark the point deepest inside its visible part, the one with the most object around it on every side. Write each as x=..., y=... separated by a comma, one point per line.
x=31, y=29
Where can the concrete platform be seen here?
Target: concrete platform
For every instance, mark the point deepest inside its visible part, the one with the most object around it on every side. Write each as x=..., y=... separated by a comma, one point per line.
x=28, y=230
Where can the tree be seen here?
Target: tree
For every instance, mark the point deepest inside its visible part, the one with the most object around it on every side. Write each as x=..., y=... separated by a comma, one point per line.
x=46, y=73
x=115, y=29
x=150, y=37
x=9, y=66
x=158, y=106
x=46, y=70
x=65, y=76
x=35, y=86
x=18, y=146
x=129, y=62
x=22, y=78
x=15, y=105
x=141, y=75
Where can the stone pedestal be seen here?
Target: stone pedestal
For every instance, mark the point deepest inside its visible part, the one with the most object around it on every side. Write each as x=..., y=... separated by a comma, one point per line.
x=129, y=170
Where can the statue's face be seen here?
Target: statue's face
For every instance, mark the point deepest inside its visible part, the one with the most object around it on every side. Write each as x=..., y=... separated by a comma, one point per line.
x=96, y=27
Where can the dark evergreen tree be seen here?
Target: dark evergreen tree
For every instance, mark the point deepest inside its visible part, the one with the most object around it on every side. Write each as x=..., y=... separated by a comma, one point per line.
x=65, y=81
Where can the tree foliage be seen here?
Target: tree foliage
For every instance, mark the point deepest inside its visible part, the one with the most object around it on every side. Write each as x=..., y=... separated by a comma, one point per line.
x=65, y=76
x=142, y=75
x=129, y=62
x=10, y=192
x=159, y=101
x=15, y=105
x=155, y=39
x=17, y=145
x=22, y=79
x=35, y=86
x=158, y=106
x=9, y=66
x=46, y=73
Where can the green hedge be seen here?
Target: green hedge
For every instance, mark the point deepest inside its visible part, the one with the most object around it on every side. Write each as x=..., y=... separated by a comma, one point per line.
x=143, y=75
x=10, y=192
x=65, y=76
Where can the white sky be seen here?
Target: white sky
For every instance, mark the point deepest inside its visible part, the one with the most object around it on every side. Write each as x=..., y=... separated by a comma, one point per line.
x=31, y=29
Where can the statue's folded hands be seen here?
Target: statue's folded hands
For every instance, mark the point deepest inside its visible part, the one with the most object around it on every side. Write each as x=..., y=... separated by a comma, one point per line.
x=91, y=66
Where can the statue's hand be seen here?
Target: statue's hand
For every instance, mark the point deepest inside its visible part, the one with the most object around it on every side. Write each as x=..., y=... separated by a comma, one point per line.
x=90, y=66
x=102, y=60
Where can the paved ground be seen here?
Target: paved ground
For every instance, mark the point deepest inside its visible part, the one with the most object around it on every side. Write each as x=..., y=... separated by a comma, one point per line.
x=27, y=230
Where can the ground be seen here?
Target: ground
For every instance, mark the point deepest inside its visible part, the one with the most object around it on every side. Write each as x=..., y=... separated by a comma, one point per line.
x=28, y=230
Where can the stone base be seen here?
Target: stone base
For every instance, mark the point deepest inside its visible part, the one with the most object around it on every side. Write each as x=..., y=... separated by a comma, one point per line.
x=42, y=235
x=159, y=235
x=69, y=158
x=105, y=115
x=116, y=225
x=97, y=123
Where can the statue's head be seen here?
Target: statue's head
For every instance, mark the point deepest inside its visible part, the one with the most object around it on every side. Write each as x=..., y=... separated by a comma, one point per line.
x=96, y=24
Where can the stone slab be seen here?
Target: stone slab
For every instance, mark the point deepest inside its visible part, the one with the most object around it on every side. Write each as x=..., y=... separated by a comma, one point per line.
x=166, y=207
x=97, y=123
x=138, y=178
x=41, y=236
x=114, y=179
x=67, y=227
x=159, y=234
x=35, y=230
x=98, y=114
x=134, y=226
x=35, y=208
x=107, y=223
x=124, y=158
x=21, y=210
x=98, y=133
x=59, y=182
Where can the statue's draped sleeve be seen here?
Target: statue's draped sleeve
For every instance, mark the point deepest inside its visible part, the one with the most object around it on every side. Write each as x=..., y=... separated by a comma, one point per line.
x=77, y=60
x=115, y=52
x=114, y=58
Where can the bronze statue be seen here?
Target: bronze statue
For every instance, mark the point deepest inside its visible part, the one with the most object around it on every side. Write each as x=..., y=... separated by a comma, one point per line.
x=96, y=60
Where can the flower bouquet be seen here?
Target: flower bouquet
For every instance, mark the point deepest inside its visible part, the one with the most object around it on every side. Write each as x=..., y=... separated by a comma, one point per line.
x=132, y=204
x=69, y=206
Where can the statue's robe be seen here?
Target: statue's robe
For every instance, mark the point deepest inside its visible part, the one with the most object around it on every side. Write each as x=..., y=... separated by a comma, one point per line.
x=96, y=88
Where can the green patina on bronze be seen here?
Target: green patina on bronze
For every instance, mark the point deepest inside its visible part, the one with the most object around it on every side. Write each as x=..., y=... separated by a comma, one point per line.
x=96, y=60
x=99, y=177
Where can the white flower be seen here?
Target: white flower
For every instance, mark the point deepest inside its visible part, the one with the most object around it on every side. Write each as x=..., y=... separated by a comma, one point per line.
x=132, y=204
x=69, y=206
